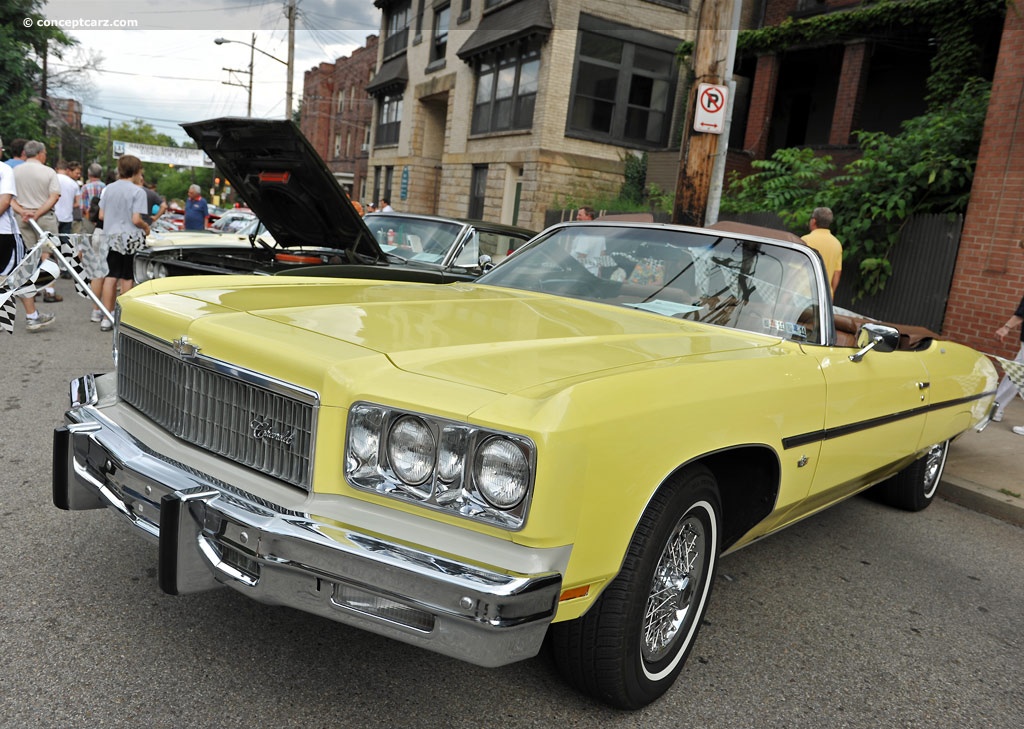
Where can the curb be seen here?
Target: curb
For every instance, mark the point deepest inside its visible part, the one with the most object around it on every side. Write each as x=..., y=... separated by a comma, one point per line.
x=983, y=499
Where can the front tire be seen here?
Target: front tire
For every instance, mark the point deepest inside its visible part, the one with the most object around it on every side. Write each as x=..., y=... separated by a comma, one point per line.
x=914, y=488
x=628, y=649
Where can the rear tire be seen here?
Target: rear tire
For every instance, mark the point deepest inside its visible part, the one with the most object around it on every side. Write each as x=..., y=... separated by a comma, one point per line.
x=914, y=488
x=628, y=649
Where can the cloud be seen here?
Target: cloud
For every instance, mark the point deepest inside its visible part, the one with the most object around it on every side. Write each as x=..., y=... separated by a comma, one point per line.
x=167, y=69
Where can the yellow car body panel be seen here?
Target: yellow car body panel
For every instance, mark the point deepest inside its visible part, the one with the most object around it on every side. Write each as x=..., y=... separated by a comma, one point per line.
x=468, y=466
x=573, y=377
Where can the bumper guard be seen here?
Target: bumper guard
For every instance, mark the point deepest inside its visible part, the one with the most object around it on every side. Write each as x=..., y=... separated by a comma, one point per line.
x=211, y=533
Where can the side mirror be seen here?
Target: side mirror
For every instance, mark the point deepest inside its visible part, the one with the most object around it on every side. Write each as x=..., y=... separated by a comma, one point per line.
x=878, y=337
x=484, y=262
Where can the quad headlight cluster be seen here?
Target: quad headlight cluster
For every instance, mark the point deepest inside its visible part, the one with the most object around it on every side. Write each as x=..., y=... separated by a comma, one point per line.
x=146, y=268
x=456, y=467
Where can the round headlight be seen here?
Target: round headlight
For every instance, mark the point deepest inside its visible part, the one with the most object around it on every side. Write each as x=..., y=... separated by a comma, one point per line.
x=502, y=473
x=411, y=450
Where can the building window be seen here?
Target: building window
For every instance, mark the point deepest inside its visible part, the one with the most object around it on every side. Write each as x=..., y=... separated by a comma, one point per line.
x=397, y=28
x=466, y=10
x=341, y=101
x=506, y=88
x=685, y=4
x=389, y=176
x=419, y=22
x=440, y=43
x=477, y=192
x=337, y=146
x=622, y=89
x=389, y=120
x=348, y=144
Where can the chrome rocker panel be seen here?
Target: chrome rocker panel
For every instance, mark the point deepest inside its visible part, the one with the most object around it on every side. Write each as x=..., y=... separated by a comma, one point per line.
x=211, y=533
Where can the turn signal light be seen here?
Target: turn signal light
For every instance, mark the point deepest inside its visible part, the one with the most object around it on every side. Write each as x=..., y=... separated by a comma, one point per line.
x=573, y=592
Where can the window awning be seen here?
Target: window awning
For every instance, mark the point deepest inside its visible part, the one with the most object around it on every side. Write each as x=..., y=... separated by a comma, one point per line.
x=523, y=19
x=392, y=76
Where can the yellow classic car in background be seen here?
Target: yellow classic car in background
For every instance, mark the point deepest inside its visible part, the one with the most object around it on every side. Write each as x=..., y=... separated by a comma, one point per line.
x=561, y=450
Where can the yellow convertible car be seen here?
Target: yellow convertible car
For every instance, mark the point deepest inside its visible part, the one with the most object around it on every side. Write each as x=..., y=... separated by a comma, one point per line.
x=559, y=451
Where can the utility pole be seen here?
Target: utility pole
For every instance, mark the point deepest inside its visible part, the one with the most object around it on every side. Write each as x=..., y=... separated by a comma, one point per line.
x=712, y=64
x=252, y=53
x=291, y=60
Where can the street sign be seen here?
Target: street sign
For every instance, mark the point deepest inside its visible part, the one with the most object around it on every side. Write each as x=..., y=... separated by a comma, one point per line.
x=405, y=182
x=709, y=116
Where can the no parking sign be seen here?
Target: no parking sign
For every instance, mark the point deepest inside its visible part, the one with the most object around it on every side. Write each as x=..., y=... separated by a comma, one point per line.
x=709, y=116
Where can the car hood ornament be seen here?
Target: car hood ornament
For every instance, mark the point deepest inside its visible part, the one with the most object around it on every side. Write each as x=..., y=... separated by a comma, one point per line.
x=184, y=348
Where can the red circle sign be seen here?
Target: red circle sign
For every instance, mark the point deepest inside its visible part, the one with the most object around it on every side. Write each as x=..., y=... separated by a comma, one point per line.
x=712, y=100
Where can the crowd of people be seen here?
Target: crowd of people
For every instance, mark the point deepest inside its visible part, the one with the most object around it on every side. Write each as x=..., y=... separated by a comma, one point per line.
x=112, y=218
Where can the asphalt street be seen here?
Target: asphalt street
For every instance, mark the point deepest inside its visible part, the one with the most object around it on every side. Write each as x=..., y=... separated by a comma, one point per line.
x=862, y=616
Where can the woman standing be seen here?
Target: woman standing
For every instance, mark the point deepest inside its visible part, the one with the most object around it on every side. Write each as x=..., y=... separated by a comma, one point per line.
x=1007, y=388
x=122, y=205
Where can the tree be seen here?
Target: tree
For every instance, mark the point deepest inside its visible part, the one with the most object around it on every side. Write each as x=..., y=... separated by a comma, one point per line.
x=23, y=43
x=790, y=184
x=927, y=168
x=172, y=182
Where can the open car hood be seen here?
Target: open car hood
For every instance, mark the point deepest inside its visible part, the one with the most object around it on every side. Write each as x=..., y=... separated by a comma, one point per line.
x=285, y=182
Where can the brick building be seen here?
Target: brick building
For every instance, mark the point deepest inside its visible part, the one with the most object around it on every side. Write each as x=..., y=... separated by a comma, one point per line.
x=500, y=109
x=66, y=112
x=989, y=278
x=817, y=92
x=336, y=114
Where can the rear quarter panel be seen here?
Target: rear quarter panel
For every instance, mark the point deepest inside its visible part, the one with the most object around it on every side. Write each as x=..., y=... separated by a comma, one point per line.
x=957, y=374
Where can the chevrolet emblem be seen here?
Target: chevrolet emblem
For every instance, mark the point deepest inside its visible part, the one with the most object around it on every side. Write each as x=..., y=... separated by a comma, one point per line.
x=185, y=348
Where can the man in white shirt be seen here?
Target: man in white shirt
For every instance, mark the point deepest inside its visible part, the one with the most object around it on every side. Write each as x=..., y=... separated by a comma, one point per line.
x=11, y=248
x=65, y=207
x=38, y=192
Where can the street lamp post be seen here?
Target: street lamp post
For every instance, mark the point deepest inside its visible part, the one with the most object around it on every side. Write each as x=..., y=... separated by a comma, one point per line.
x=253, y=50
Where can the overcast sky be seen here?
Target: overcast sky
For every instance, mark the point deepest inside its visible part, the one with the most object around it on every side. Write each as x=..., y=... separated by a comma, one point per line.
x=167, y=69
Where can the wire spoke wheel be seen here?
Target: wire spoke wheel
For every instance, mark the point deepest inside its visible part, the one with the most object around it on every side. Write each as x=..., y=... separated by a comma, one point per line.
x=679, y=570
x=629, y=648
x=934, y=462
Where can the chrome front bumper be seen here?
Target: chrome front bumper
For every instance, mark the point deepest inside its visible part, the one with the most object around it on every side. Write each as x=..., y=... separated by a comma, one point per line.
x=213, y=533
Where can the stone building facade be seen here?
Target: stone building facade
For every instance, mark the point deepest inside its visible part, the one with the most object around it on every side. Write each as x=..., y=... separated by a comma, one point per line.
x=501, y=109
x=336, y=114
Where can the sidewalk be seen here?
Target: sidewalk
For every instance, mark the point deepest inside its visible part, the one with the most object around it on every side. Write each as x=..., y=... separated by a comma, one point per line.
x=985, y=471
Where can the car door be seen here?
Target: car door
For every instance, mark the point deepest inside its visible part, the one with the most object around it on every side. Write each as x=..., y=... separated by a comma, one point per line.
x=874, y=416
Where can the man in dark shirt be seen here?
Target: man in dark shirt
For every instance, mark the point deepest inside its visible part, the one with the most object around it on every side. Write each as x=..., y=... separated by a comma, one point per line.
x=196, y=210
x=155, y=204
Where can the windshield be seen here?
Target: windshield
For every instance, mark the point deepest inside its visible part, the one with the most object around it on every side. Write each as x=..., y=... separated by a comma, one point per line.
x=716, y=279
x=414, y=239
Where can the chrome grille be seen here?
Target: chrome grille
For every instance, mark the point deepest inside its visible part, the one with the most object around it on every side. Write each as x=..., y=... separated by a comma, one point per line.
x=253, y=420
